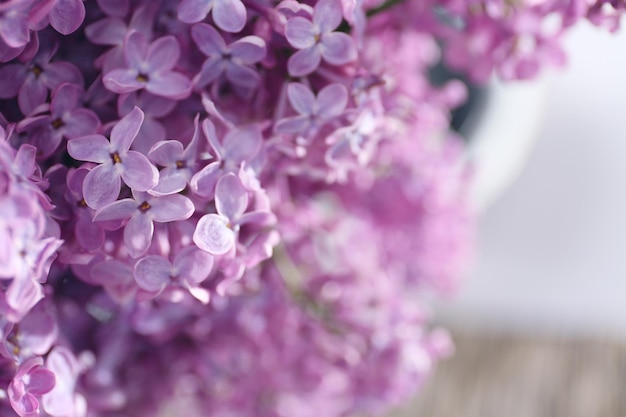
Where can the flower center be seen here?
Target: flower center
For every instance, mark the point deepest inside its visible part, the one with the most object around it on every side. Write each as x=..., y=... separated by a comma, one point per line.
x=115, y=157
x=181, y=164
x=57, y=124
x=81, y=203
x=145, y=206
x=37, y=70
x=142, y=78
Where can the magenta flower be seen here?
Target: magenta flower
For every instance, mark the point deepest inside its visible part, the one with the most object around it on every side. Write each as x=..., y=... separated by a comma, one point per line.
x=189, y=269
x=233, y=61
x=31, y=381
x=317, y=39
x=217, y=233
x=149, y=67
x=229, y=15
x=142, y=211
x=313, y=112
x=103, y=183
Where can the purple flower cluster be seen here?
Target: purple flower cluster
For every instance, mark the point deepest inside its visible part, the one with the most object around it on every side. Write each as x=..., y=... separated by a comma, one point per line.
x=233, y=207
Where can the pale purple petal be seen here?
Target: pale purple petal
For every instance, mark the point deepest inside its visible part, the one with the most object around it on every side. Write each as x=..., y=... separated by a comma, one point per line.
x=138, y=173
x=152, y=273
x=242, y=76
x=120, y=209
x=211, y=134
x=102, y=186
x=300, y=32
x=125, y=131
x=31, y=94
x=24, y=162
x=229, y=15
x=110, y=271
x=22, y=295
x=193, y=265
x=332, y=100
x=122, y=81
x=163, y=53
x=327, y=15
x=107, y=31
x=14, y=29
x=213, y=235
x=64, y=98
x=338, y=48
x=208, y=40
x=301, y=98
x=89, y=235
x=211, y=69
x=12, y=77
x=63, y=364
x=67, y=15
x=231, y=198
x=56, y=73
x=170, y=84
x=249, y=49
x=171, y=180
x=192, y=11
x=93, y=148
x=305, y=61
x=166, y=153
x=242, y=144
x=203, y=182
x=170, y=208
x=79, y=123
x=117, y=8
x=135, y=48
x=295, y=124
x=138, y=234
x=151, y=132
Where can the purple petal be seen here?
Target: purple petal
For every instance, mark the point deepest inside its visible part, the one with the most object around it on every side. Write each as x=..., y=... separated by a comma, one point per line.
x=242, y=144
x=201, y=294
x=301, y=98
x=67, y=15
x=203, y=182
x=332, y=100
x=24, y=162
x=40, y=381
x=93, y=148
x=338, y=48
x=138, y=234
x=64, y=98
x=166, y=152
x=12, y=77
x=249, y=49
x=171, y=180
x=259, y=218
x=163, y=54
x=14, y=29
x=80, y=122
x=125, y=131
x=305, y=61
x=138, y=173
x=213, y=235
x=135, y=47
x=107, y=31
x=170, y=84
x=208, y=40
x=327, y=15
x=193, y=265
x=229, y=15
x=101, y=186
x=170, y=208
x=295, y=124
x=89, y=235
x=211, y=134
x=300, y=32
x=242, y=76
x=57, y=73
x=31, y=94
x=231, y=198
x=22, y=295
x=152, y=273
x=192, y=11
x=117, y=8
x=122, y=81
x=111, y=272
x=211, y=69
x=121, y=209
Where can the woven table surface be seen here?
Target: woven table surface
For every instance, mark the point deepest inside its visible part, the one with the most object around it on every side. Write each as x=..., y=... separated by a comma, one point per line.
x=524, y=376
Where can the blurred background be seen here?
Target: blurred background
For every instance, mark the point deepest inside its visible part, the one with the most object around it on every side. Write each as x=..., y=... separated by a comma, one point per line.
x=540, y=322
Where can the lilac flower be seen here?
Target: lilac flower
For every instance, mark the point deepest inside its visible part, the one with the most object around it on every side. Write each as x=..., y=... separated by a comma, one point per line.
x=179, y=164
x=314, y=112
x=149, y=67
x=66, y=120
x=189, y=269
x=141, y=211
x=14, y=22
x=239, y=146
x=63, y=400
x=102, y=184
x=217, y=233
x=229, y=15
x=233, y=61
x=31, y=381
x=317, y=40
x=33, y=336
x=32, y=81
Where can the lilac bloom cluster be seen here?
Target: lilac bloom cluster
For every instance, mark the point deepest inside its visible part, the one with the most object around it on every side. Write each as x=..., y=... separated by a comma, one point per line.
x=233, y=207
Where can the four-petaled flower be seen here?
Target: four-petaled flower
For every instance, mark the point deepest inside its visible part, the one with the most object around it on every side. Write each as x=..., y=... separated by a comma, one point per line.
x=317, y=39
x=31, y=381
x=103, y=183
